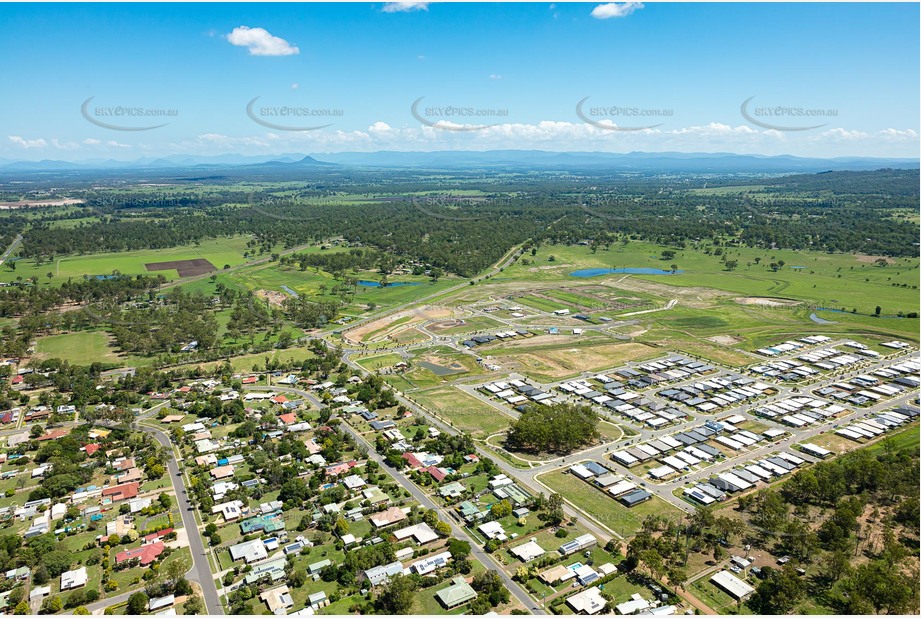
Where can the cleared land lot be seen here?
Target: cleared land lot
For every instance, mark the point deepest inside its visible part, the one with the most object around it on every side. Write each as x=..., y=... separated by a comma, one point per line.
x=465, y=412
x=77, y=348
x=553, y=362
x=625, y=521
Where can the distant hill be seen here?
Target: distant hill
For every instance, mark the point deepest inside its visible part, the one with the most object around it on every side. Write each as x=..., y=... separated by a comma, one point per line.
x=640, y=162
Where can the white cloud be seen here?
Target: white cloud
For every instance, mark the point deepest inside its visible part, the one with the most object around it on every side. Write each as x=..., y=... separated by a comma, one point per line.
x=898, y=135
x=28, y=143
x=295, y=86
x=495, y=76
x=844, y=135
x=92, y=142
x=615, y=9
x=405, y=7
x=260, y=42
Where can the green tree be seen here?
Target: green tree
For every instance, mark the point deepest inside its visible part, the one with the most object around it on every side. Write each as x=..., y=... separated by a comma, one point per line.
x=398, y=595
x=137, y=604
x=780, y=592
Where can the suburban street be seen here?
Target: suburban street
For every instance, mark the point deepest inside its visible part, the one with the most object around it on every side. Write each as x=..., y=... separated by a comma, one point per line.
x=423, y=499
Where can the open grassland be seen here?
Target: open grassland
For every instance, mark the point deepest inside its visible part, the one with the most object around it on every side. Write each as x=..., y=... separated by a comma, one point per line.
x=373, y=363
x=220, y=252
x=574, y=298
x=831, y=280
x=318, y=285
x=81, y=348
x=463, y=411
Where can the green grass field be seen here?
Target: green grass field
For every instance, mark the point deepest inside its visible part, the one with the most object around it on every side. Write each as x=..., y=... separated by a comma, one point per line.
x=574, y=298
x=832, y=280
x=603, y=508
x=78, y=348
x=465, y=412
x=373, y=363
x=220, y=252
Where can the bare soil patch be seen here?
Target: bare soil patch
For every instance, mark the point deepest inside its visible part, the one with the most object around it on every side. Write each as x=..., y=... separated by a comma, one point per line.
x=39, y=203
x=767, y=302
x=381, y=328
x=273, y=297
x=725, y=339
x=185, y=268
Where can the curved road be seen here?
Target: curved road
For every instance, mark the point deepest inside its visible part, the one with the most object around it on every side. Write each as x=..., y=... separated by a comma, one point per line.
x=200, y=571
x=458, y=532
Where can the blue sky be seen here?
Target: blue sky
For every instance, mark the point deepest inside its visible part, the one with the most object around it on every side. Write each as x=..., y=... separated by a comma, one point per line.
x=651, y=77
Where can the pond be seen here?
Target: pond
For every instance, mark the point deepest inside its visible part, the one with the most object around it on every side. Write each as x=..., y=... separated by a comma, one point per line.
x=597, y=272
x=376, y=284
x=290, y=291
x=441, y=370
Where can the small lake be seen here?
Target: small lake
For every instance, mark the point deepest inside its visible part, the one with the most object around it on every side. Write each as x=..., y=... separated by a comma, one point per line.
x=376, y=284
x=290, y=291
x=597, y=272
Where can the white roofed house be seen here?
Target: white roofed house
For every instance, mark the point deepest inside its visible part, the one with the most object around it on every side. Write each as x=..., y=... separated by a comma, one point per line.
x=74, y=579
x=588, y=602
x=528, y=551
x=736, y=588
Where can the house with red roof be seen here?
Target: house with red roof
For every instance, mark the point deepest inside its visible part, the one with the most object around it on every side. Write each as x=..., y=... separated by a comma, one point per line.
x=439, y=474
x=288, y=419
x=17, y=380
x=337, y=469
x=414, y=462
x=91, y=449
x=156, y=536
x=7, y=417
x=249, y=380
x=146, y=553
x=279, y=399
x=54, y=434
x=121, y=492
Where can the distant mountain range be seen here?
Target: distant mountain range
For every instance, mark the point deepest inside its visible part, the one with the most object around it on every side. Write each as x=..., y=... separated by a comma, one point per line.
x=646, y=162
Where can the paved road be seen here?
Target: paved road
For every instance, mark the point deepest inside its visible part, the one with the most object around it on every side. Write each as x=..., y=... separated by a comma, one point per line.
x=201, y=568
x=423, y=499
x=9, y=250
